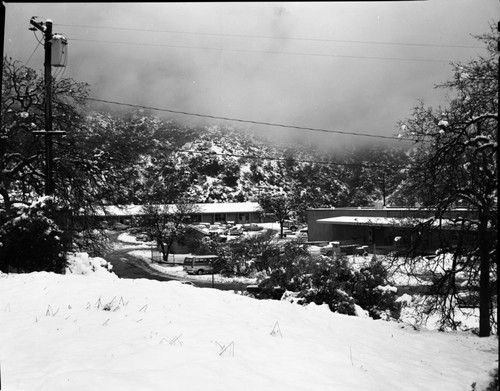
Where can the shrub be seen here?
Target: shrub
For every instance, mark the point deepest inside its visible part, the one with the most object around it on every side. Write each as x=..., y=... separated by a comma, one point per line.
x=331, y=282
x=31, y=241
x=373, y=292
x=291, y=267
x=251, y=253
x=321, y=280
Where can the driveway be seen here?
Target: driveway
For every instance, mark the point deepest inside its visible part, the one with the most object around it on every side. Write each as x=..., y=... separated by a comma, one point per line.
x=126, y=265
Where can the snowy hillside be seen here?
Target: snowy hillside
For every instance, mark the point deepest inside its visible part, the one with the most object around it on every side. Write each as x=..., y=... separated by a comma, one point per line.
x=94, y=331
x=231, y=166
x=226, y=164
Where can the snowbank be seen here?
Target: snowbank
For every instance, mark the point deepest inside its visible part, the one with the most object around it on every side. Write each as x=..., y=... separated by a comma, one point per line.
x=73, y=332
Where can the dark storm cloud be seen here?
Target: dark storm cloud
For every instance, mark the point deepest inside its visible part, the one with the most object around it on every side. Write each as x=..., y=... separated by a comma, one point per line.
x=211, y=61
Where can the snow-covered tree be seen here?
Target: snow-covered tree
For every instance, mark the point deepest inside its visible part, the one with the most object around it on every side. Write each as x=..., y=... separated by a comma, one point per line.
x=93, y=164
x=278, y=205
x=167, y=223
x=455, y=166
x=32, y=241
x=22, y=175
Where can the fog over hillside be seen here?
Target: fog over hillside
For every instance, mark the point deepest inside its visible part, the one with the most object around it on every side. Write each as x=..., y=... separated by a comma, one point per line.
x=355, y=67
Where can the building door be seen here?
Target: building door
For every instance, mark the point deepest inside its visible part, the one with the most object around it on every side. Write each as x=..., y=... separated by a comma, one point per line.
x=243, y=218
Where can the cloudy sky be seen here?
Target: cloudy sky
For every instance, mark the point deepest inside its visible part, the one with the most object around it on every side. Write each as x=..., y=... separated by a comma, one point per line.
x=355, y=67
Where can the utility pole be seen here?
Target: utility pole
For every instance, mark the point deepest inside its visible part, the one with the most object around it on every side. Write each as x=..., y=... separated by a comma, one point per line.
x=383, y=186
x=2, y=27
x=48, y=132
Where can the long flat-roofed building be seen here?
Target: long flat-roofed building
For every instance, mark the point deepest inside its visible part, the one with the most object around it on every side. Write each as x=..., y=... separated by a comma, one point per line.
x=236, y=212
x=381, y=227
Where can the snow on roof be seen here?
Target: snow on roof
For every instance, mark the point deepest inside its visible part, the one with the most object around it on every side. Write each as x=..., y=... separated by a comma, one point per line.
x=230, y=207
x=361, y=220
x=378, y=221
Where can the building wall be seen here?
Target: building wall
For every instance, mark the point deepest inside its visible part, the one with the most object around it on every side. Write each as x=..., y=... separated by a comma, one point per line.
x=236, y=218
x=378, y=235
x=319, y=232
x=244, y=217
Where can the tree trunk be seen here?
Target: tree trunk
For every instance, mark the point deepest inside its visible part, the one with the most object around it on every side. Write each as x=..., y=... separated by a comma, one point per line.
x=282, y=223
x=484, y=279
x=166, y=253
x=168, y=248
x=162, y=248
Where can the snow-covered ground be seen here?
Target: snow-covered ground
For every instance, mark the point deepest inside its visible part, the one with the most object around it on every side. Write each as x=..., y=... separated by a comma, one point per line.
x=90, y=330
x=412, y=305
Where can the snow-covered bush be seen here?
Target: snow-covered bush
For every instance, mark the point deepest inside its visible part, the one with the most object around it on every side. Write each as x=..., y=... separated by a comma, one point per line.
x=82, y=263
x=335, y=283
x=249, y=254
x=373, y=292
x=31, y=241
x=331, y=282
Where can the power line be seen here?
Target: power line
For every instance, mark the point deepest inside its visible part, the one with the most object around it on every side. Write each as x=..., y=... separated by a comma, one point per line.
x=249, y=121
x=277, y=37
x=262, y=51
x=32, y=53
x=211, y=153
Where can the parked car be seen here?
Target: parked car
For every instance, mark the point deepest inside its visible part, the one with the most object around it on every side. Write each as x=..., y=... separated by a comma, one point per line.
x=144, y=238
x=338, y=247
x=216, y=229
x=266, y=290
x=251, y=227
x=201, y=227
x=120, y=227
x=302, y=233
x=234, y=231
x=292, y=225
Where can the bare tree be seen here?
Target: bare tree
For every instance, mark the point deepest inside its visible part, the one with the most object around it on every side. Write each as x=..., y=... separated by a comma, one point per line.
x=93, y=164
x=278, y=205
x=23, y=110
x=455, y=166
x=167, y=223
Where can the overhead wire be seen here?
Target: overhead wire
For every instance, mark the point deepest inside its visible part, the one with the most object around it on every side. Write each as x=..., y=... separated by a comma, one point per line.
x=277, y=37
x=255, y=51
x=32, y=53
x=59, y=73
x=212, y=153
x=263, y=51
x=313, y=129
x=241, y=120
x=268, y=37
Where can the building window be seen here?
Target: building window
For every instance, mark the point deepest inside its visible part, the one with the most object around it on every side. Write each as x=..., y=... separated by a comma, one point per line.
x=195, y=218
x=219, y=217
